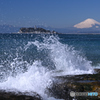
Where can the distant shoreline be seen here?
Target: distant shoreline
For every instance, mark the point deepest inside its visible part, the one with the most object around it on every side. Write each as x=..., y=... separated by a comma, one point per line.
x=36, y=30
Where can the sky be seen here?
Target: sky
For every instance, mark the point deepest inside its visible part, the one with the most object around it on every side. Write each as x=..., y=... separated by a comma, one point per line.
x=53, y=13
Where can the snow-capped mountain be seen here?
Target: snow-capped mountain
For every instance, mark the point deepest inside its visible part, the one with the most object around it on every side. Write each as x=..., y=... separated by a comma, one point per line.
x=88, y=23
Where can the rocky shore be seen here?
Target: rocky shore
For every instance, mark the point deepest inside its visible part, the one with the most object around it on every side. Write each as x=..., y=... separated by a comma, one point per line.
x=4, y=95
x=62, y=87
x=76, y=83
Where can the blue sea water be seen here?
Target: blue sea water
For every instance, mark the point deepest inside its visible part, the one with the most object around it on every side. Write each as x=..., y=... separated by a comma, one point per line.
x=87, y=45
x=27, y=59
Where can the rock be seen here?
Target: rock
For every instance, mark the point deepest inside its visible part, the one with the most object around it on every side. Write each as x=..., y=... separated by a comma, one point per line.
x=77, y=83
x=59, y=91
x=97, y=70
x=62, y=91
x=18, y=96
x=35, y=30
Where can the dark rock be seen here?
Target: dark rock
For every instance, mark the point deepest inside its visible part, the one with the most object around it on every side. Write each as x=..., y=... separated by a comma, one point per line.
x=97, y=70
x=18, y=96
x=76, y=83
x=35, y=30
x=59, y=91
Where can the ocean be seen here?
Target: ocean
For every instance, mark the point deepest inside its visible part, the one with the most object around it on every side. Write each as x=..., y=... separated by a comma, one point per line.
x=28, y=62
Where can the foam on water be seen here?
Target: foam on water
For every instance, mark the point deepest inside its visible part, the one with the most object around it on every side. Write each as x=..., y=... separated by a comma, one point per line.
x=24, y=76
x=36, y=79
x=65, y=58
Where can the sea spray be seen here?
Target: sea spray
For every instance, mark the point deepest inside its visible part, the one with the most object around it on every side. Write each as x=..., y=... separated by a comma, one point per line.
x=33, y=64
x=64, y=57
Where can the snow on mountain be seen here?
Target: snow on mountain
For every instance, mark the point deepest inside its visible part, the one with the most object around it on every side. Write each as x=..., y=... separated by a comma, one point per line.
x=88, y=23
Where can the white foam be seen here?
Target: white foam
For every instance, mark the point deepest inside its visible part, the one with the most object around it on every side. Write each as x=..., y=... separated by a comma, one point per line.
x=65, y=58
x=37, y=78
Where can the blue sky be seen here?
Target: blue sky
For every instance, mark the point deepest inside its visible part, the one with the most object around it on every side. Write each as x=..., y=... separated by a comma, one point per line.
x=54, y=13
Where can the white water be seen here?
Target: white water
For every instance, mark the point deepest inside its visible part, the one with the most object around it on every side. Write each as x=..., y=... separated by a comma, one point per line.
x=37, y=78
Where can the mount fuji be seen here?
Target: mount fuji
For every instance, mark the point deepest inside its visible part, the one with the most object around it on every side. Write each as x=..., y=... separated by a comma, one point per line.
x=88, y=26
x=88, y=23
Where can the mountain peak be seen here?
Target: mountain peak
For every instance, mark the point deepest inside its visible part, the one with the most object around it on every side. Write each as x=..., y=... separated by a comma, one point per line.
x=88, y=23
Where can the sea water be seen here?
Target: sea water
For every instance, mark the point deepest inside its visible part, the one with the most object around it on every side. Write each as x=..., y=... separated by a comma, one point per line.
x=28, y=62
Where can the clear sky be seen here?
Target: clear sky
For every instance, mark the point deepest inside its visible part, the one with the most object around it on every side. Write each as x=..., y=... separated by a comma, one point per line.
x=54, y=13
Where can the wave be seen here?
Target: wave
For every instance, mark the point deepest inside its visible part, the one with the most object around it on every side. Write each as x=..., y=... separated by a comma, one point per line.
x=34, y=65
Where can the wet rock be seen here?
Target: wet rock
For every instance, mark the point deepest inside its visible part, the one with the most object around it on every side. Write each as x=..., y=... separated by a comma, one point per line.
x=88, y=77
x=77, y=83
x=97, y=70
x=18, y=96
x=62, y=91
x=59, y=91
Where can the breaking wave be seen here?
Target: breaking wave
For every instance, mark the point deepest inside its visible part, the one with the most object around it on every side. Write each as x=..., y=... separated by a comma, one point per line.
x=34, y=63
